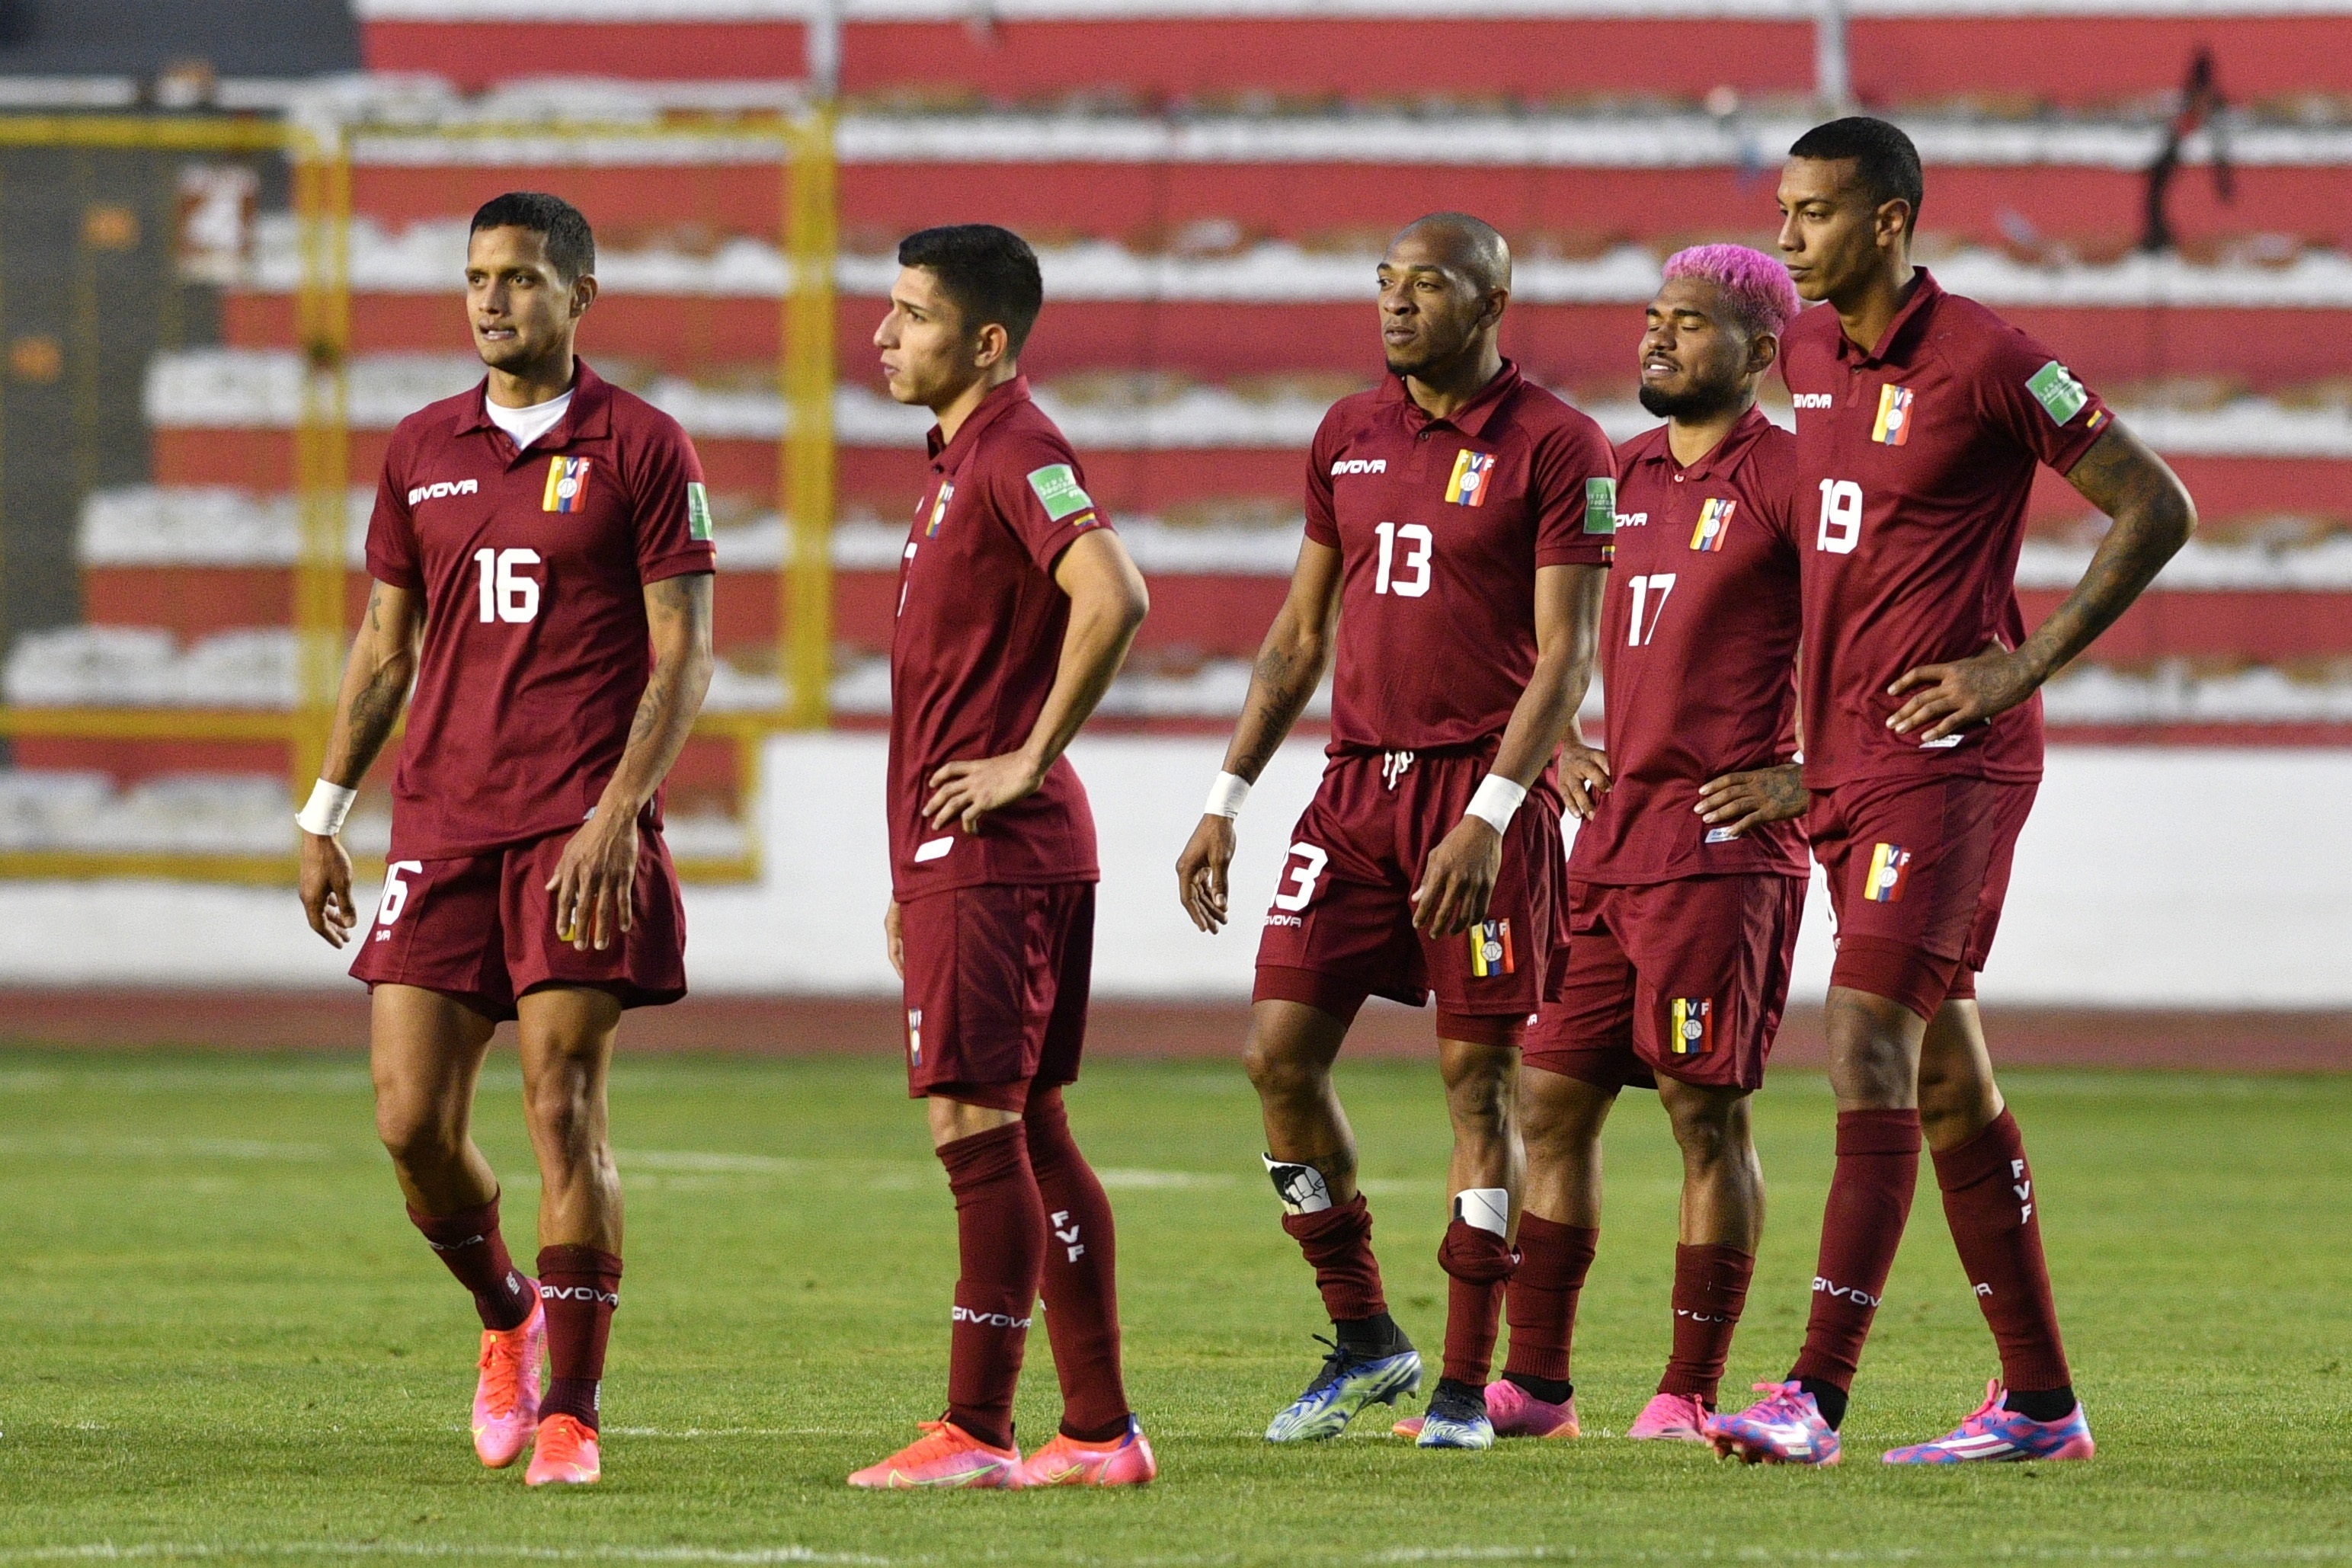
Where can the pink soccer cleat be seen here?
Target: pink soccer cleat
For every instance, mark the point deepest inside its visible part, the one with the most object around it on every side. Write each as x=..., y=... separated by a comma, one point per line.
x=1675, y=1418
x=2001, y=1436
x=1784, y=1427
x=1515, y=1412
x=944, y=1456
x=1066, y=1462
x=564, y=1454
x=506, y=1394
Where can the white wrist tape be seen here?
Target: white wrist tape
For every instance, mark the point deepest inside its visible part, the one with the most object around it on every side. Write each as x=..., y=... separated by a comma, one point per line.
x=1226, y=796
x=322, y=815
x=1497, y=802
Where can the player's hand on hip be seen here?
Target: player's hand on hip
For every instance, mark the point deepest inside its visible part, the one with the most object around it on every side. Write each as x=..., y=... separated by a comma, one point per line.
x=326, y=888
x=1737, y=802
x=1584, y=778
x=970, y=791
x=1458, y=879
x=1200, y=872
x=595, y=881
x=894, y=939
x=1948, y=697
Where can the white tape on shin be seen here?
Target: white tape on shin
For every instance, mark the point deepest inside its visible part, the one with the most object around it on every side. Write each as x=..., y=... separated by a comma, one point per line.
x=1301, y=1187
x=1484, y=1208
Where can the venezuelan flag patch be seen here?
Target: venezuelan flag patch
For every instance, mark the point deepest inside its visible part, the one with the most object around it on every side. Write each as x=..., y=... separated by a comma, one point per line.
x=1714, y=522
x=1890, y=866
x=567, y=485
x=1892, y=427
x=1490, y=950
x=1472, y=472
x=1690, y=1027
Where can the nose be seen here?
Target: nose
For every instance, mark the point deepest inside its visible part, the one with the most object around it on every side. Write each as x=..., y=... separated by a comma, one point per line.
x=1788, y=239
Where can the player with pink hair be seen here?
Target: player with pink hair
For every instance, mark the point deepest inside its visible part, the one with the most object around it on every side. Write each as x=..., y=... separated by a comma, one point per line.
x=1686, y=883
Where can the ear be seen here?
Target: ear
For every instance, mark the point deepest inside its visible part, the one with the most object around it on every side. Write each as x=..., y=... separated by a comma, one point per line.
x=993, y=345
x=1491, y=308
x=1763, y=350
x=583, y=294
x=1891, y=224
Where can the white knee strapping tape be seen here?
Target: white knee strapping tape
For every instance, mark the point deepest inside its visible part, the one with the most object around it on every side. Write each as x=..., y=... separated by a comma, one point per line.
x=1487, y=1208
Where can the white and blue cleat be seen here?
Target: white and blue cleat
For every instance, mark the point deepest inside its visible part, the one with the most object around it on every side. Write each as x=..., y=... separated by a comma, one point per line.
x=1347, y=1384
x=1457, y=1419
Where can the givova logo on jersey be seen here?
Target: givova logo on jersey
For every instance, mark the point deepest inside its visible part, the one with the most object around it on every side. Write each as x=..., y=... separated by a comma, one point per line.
x=1490, y=950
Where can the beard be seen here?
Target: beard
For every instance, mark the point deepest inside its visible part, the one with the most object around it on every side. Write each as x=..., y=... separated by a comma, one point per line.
x=1696, y=404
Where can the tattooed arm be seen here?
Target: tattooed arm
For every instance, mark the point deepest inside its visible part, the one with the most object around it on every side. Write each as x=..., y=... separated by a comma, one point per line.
x=2153, y=519
x=375, y=689
x=1290, y=665
x=597, y=877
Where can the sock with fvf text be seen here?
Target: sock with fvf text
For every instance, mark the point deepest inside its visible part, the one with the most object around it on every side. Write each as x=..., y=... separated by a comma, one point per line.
x=1338, y=1242
x=580, y=1287
x=1871, y=1188
x=1996, y=1220
x=1710, y=1288
x=1001, y=1243
x=1541, y=1303
x=1081, y=1278
x=469, y=1243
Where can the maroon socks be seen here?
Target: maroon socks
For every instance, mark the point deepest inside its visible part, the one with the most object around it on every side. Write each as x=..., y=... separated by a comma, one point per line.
x=1477, y=1263
x=1542, y=1302
x=469, y=1243
x=580, y=1287
x=1990, y=1203
x=1081, y=1276
x=1710, y=1288
x=1869, y=1201
x=1338, y=1242
x=1001, y=1240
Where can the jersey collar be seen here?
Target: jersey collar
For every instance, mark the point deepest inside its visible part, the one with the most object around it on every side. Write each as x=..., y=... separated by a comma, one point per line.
x=589, y=414
x=1472, y=418
x=1725, y=455
x=1924, y=292
x=1000, y=400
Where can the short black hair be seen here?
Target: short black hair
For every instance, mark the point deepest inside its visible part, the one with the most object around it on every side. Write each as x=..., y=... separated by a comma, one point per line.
x=571, y=247
x=1883, y=158
x=990, y=272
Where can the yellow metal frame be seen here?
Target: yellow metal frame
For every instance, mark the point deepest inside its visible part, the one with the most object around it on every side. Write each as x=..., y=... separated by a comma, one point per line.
x=323, y=188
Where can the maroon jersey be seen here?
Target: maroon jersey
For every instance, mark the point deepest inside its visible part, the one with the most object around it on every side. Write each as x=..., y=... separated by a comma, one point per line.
x=1915, y=460
x=978, y=640
x=1698, y=651
x=1440, y=525
x=533, y=567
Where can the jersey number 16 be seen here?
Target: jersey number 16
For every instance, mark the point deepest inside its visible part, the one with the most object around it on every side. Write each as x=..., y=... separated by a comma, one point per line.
x=507, y=594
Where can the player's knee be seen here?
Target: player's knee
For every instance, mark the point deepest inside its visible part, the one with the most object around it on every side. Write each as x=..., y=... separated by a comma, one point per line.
x=563, y=1109
x=417, y=1133
x=1710, y=1127
x=1280, y=1070
x=1561, y=1115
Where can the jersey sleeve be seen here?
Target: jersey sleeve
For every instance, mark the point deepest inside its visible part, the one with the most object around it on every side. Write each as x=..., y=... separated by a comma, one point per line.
x=1770, y=486
x=1575, y=492
x=1038, y=488
x=2028, y=393
x=391, y=555
x=1322, y=517
x=671, y=507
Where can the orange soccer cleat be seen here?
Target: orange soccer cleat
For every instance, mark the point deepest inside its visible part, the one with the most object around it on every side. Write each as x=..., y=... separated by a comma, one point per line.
x=944, y=1456
x=1125, y=1461
x=506, y=1396
x=565, y=1455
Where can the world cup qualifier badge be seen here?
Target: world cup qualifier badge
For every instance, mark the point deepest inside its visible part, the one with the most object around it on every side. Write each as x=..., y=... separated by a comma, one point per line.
x=1490, y=950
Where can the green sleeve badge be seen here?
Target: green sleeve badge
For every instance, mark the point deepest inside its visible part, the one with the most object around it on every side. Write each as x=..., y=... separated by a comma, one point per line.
x=698, y=513
x=2054, y=387
x=1600, y=506
x=1058, y=490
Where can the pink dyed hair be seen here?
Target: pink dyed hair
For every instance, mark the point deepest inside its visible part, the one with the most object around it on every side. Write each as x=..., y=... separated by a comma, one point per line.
x=1756, y=286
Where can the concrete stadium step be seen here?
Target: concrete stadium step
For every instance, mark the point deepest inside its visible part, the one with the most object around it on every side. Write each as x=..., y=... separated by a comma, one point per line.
x=2055, y=51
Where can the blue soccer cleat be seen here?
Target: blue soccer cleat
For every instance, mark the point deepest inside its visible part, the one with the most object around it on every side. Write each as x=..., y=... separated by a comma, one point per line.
x=1457, y=1419
x=1347, y=1384
x=2001, y=1436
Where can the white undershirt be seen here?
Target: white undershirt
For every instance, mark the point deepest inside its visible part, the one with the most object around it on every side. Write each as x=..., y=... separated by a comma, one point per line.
x=528, y=425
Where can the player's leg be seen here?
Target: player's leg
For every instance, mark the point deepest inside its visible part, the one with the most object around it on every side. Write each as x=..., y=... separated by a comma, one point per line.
x=1561, y=1115
x=566, y=1035
x=1487, y=1173
x=1311, y=1158
x=1715, y=1251
x=1994, y=1211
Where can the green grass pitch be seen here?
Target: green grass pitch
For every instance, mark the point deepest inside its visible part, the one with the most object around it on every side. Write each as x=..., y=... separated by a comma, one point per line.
x=219, y=1338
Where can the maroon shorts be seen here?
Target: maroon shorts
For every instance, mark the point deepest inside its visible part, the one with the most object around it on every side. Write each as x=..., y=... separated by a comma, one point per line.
x=1918, y=870
x=481, y=928
x=996, y=989
x=1685, y=978
x=1340, y=927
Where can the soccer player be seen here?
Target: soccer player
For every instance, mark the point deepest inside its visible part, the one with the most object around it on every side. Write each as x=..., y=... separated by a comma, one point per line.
x=1686, y=886
x=1457, y=526
x=1920, y=416
x=541, y=556
x=1016, y=605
